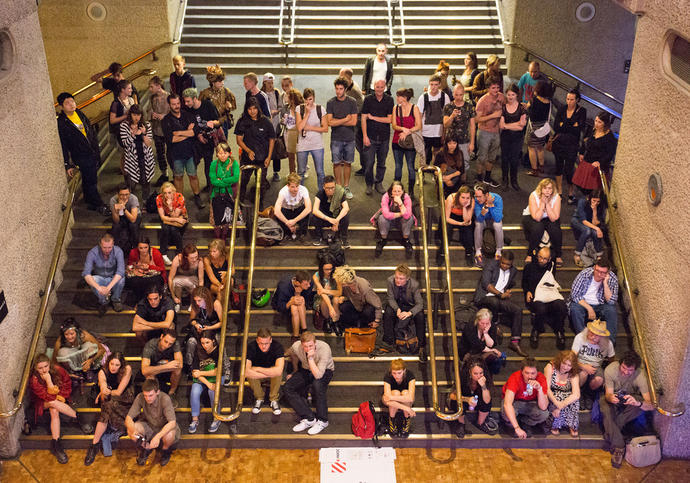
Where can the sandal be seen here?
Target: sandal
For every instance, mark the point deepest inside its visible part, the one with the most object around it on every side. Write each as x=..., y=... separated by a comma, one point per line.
x=559, y=262
x=555, y=432
x=574, y=433
x=533, y=172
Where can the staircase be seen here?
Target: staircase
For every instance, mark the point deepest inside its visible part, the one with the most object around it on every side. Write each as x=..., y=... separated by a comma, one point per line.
x=242, y=35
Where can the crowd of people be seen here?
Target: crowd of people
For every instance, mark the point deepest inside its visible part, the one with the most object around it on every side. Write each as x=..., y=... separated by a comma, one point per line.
x=451, y=125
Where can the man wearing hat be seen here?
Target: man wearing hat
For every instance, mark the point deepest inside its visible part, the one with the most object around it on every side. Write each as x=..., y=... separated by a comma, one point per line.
x=220, y=96
x=593, y=347
x=594, y=295
x=80, y=148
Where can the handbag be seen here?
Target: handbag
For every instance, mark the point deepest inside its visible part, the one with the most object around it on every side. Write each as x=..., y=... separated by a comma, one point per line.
x=361, y=341
x=547, y=289
x=586, y=176
x=545, y=130
x=549, y=143
x=643, y=451
x=279, y=149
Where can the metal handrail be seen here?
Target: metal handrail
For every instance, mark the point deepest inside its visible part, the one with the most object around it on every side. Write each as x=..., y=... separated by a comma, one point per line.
x=247, y=307
x=291, y=5
x=179, y=21
x=105, y=92
x=679, y=409
x=73, y=187
x=391, y=17
x=500, y=23
x=429, y=313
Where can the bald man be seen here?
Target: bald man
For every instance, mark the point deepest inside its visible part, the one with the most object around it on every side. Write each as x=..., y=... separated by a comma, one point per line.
x=528, y=80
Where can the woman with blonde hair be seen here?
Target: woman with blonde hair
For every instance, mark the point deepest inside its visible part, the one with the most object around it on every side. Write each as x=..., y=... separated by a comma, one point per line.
x=289, y=120
x=543, y=214
x=398, y=397
x=173, y=215
x=216, y=267
x=481, y=340
x=563, y=391
x=493, y=69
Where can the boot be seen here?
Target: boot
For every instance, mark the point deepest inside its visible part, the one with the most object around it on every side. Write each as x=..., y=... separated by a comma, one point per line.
x=337, y=328
x=56, y=449
x=515, y=346
x=560, y=340
x=165, y=456
x=91, y=454
x=379, y=247
x=408, y=247
x=406, y=427
x=328, y=326
x=534, y=339
x=392, y=427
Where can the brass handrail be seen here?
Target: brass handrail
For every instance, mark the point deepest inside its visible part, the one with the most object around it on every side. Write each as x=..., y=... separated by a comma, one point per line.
x=679, y=409
x=247, y=307
x=97, y=119
x=73, y=186
x=429, y=313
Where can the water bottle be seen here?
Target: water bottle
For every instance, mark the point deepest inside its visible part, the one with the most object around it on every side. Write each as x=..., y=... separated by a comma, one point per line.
x=529, y=390
x=473, y=402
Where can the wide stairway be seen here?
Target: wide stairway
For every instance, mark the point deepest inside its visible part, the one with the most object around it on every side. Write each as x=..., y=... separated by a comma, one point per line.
x=243, y=35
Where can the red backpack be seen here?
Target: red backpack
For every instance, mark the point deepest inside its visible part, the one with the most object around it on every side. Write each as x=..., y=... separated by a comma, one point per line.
x=364, y=422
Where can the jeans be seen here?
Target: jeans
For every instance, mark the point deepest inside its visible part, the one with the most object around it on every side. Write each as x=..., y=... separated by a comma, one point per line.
x=171, y=233
x=89, y=180
x=180, y=166
x=343, y=152
x=204, y=151
x=376, y=151
x=296, y=387
x=195, y=397
x=114, y=293
x=479, y=233
x=583, y=233
x=607, y=312
x=511, y=149
x=498, y=305
x=303, y=159
x=409, y=155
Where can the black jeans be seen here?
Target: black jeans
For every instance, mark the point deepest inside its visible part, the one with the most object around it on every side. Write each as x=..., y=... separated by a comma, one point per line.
x=390, y=320
x=296, y=387
x=552, y=313
x=534, y=231
x=88, y=167
x=126, y=233
x=291, y=214
x=466, y=234
x=351, y=317
x=511, y=149
x=171, y=233
x=246, y=175
x=320, y=224
x=498, y=305
x=161, y=153
x=376, y=151
x=204, y=151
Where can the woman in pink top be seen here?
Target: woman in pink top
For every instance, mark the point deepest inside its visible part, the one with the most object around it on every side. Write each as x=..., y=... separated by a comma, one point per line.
x=396, y=209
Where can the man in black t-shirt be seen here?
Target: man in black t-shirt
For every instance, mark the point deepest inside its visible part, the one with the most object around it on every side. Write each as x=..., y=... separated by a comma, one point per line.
x=377, y=112
x=206, y=117
x=154, y=313
x=178, y=128
x=162, y=360
x=265, y=360
x=329, y=215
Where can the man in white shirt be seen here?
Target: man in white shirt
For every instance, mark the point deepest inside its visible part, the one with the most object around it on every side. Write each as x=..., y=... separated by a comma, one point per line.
x=431, y=106
x=593, y=347
x=594, y=295
x=377, y=67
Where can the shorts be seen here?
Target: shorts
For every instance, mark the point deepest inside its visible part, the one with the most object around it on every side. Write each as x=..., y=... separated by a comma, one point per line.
x=488, y=146
x=142, y=427
x=182, y=165
x=343, y=152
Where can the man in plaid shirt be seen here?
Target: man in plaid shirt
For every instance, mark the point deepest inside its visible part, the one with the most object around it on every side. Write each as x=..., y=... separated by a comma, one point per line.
x=594, y=295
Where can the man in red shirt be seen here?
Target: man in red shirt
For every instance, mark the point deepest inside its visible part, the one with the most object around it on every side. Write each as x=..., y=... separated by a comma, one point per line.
x=524, y=399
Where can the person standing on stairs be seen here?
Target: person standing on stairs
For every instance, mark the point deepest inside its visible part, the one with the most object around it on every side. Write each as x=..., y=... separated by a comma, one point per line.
x=137, y=141
x=224, y=175
x=341, y=113
x=353, y=90
x=459, y=123
x=377, y=113
x=377, y=67
x=180, y=79
x=489, y=112
x=104, y=272
x=512, y=125
x=398, y=397
x=431, y=105
x=311, y=124
x=494, y=291
x=206, y=117
x=275, y=105
x=80, y=148
x=251, y=81
x=178, y=127
x=157, y=110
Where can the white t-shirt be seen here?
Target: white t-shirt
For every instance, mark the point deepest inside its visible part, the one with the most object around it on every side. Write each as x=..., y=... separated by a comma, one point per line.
x=503, y=276
x=592, y=291
x=591, y=354
x=291, y=202
x=379, y=71
x=432, y=130
x=312, y=140
x=544, y=215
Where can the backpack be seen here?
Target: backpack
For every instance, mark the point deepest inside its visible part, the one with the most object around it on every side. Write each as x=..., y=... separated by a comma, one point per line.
x=427, y=105
x=268, y=232
x=335, y=251
x=406, y=340
x=302, y=108
x=364, y=422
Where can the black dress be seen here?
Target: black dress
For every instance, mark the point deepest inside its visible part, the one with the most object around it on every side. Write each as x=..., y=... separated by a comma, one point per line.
x=566, y=140
x=114, y=409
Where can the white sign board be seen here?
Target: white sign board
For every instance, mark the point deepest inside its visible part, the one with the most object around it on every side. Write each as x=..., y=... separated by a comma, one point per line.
x=357, y=465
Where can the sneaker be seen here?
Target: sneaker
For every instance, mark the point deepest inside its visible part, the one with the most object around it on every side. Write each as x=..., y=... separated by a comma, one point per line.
x=318, y=427
x=117, y=305
x=348, y=193
x=165, y=456
x=102, y=309
x=177, y=308
x=104, y=210
x=276, y=177
x=460, y=430
x=214, y=426
x=294, y=236
x=257, y=406
x=489, y=426
x=306, y=173
x=199, y=204
x=379, y=188
x=370, y=190
x=276, y=408
x=345, y=244
x=304, y=424
x=193, y=426
x=173, y=400
x=319, y=242
x=491, y=182
x=167, y=260
x=617, y=458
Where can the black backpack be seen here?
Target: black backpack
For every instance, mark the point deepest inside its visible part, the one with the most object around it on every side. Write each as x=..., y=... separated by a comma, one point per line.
x=406, y=340
x=333, y=250
x=427, y=104
x=302, y=108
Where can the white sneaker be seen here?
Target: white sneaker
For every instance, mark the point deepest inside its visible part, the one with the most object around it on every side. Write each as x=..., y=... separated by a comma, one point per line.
x=177, y=308
x=257, y=406
x=166, y=260
x=306, y=173
x=348, y=193
x=305, y=424
x=276, y=408
x=318, y=427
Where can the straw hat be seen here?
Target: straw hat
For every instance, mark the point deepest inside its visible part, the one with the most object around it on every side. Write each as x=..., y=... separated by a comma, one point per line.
x=598, y=327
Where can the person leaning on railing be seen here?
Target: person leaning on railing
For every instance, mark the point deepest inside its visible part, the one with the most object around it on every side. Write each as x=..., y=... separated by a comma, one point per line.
x=596, y=154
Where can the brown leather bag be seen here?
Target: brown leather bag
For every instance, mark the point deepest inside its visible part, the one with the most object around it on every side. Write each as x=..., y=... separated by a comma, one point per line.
x=360, y=340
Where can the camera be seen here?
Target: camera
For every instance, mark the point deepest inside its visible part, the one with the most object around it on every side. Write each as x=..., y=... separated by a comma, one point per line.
x=140, y=440
x=621, y=396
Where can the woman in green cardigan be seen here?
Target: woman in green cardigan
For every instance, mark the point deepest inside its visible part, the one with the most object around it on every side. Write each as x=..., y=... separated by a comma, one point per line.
x=224, y=175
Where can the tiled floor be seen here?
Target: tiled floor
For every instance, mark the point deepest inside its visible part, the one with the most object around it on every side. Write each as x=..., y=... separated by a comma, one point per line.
x=412, y=465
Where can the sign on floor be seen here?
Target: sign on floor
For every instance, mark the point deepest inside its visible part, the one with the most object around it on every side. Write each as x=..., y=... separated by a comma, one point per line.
x=357, y=465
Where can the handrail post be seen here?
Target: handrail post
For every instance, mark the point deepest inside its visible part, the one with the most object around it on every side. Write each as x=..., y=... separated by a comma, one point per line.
x=680, y=408
x=247, y=306
x=429, y=313
x=391, y=18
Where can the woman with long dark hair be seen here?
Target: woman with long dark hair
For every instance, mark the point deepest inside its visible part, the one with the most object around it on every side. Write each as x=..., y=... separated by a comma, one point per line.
x=475, y=390
x=406, y=120
x=137, y=139
x=186, y=274
x=451, y=162
x=145, y=267
x=568, y=126
x=204, y=377
x=326, y=288
x=204, y=314
x=396, y=209
x=539, y=109
x=467, y=78
x=512, y=124
x=599, y=151
x=459, y=213
x=589, y=223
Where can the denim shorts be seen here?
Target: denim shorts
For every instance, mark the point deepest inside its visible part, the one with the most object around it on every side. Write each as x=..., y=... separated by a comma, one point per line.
x=182, y=165
x=343, y=152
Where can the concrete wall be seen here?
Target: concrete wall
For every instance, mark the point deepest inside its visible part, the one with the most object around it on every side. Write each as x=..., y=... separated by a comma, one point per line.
x=594, y=51
x=35, y=184
x=656, y=240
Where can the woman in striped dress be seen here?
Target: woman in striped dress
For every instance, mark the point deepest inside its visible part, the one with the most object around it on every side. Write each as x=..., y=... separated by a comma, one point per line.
x=137, y=139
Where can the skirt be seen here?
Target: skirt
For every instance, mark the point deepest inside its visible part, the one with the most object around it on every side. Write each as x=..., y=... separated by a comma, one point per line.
x=291, y=140
x=534, y=141
x=586, y=176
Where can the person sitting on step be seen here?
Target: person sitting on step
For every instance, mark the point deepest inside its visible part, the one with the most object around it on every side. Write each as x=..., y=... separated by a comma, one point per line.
x=326, y=288
x=450, y=162
x=292, y=297
x=626, y=397
x=156, y=425
x=398, y=397
x=593, y=295
x=104, y=272
x=115, y=398
x=589, y=223
x=216, y=267
x=173, y=215
x=494, y=291
x=524, y=400
x=358, y=306
x=204, y=314
x=396, y=209
x=292, y=208
x=459, y=213
x=161, y=360
x=145, y=267
x=563, y=391
x=481, y=339
x=186, y=274
x=476, y=385
x=546, y=306
x=204, y=363
x=312, y=369
x=154, y=314
x=488, y=212
x=126, y=215
x=78, y=352
x=405, y=306
x=543, y=214
x=594, y=349
x=265, y=360
x=330, y=212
